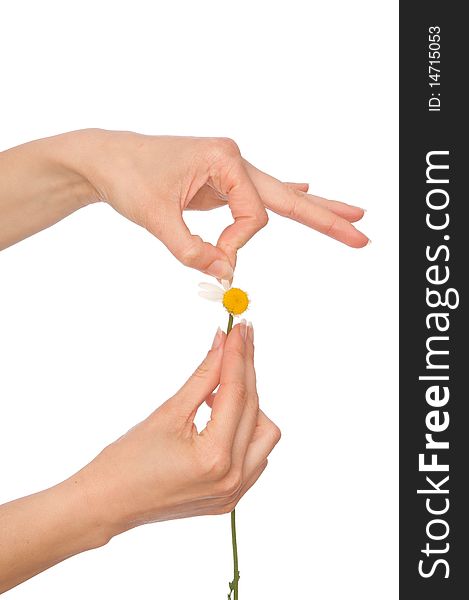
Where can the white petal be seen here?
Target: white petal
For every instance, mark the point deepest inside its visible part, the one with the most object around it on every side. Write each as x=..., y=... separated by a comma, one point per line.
x=216, y=296
x=210, y=287
x=226, y=284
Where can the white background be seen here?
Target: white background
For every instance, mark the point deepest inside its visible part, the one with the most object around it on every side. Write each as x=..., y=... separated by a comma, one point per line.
x=99, y=323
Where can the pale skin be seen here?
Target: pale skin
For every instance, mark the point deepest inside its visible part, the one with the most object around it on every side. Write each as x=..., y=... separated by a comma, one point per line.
x=162, y=468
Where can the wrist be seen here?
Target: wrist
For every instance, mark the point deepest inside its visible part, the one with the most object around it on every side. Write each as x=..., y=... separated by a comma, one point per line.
x=102, y=500
x=93, y=528
x=71, y=155
x=37, y=189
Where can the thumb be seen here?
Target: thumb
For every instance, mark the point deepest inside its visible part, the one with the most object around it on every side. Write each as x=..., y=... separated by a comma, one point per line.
x=204, y=379
x=192, y=251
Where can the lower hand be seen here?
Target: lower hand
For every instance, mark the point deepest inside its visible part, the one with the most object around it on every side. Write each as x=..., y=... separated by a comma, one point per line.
x=161, y=469
x=164, y=469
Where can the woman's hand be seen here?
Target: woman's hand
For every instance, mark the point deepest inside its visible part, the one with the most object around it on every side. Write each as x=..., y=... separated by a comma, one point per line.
x=164, y=469
x=151, y=180
x=161, y=469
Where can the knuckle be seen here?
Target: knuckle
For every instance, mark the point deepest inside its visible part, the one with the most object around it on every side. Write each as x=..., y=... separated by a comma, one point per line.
x=227, y=146
x=217, y=466
x=190, y=255
x=223, y=151
x=276, y=433
x=231, y=485
x=263, y=219
x=292, y=212
x=332, y=225
x=202, y=371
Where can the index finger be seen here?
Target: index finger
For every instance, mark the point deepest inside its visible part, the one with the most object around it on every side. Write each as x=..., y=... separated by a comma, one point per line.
x=246, y=206
x=229, y=401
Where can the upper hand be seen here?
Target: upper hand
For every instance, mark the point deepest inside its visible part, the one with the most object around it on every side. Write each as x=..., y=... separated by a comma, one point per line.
x=153, y=179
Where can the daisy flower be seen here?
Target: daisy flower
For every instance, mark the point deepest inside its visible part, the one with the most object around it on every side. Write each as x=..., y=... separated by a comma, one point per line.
x=234, y=300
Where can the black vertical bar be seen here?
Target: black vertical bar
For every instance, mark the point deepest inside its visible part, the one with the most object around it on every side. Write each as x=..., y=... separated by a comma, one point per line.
x=433, y=265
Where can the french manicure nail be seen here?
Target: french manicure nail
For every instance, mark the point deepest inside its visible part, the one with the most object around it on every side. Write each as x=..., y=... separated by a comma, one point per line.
x=220, y=269
x=251, y=331
x=217, y=339
x=244, y=329
x=368, y=243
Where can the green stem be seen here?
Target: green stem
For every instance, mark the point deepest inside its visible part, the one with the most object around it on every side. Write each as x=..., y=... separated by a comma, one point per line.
x=234, y=587
x=233, y=584
x=230, y=324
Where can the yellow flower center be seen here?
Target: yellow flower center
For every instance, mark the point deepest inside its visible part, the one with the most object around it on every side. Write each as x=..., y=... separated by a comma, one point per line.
x=235, y=301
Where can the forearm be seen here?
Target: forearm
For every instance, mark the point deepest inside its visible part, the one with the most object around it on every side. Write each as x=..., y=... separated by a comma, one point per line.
x=41, y=530
x=38, y=187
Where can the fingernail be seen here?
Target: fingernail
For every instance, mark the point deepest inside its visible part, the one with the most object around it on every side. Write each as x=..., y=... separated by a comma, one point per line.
x=251, y=331
x=220, y=269
x=244, y=329
x=217, y=339
x=368, y=243
x=226, y=284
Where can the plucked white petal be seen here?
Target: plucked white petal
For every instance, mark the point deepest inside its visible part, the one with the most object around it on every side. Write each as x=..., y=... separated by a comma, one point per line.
x=214, y=295
x=226, y=284
x=210, y=287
